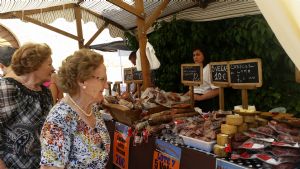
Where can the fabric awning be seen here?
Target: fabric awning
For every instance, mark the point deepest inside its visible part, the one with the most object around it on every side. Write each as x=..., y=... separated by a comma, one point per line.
x=7, y=38
x=111, y=47
x=119, y=20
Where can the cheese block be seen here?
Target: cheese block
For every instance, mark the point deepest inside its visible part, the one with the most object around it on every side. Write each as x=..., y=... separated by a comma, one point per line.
x=219, y=150
x=249, y=119
x=222, y=139
x=235, y=119
x=241, y=128
x=228, y=129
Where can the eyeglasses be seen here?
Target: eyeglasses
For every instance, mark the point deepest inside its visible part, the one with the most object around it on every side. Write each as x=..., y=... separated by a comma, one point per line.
x=101, y=79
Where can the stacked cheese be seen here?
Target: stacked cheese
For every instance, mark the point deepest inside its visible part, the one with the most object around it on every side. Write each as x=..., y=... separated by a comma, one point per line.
x=233, y=123
x=248, y=117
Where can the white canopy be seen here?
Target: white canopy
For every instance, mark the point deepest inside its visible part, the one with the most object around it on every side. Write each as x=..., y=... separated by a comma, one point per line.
x=117, y=19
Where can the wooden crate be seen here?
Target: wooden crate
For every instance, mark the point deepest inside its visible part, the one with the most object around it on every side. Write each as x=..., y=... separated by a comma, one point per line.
x=123, y=114
x=157, y=109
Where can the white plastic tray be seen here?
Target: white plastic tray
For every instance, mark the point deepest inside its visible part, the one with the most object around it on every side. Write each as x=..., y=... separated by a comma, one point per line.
x=202, y=145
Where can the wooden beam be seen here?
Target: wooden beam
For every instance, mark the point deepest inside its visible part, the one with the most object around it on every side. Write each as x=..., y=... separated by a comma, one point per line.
x=128, y=8
x=245, y=98
x=150, y=20
x=28, y=19
x=10, y=15
x=79, y=26
x=171, y=14
x=95, y=35
x=142, y=45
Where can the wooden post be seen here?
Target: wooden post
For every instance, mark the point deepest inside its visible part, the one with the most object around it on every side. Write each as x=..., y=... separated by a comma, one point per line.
x=245, y=98
x=109, y=88
x=221, y=98
x=142, y=44
x=138, y=85
x=191, y=88
x=219, y=77
x=128, y=87
x=79, y=26
x=118, y=83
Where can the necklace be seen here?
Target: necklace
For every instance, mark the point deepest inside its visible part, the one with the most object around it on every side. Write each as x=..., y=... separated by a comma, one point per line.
x=84, y=112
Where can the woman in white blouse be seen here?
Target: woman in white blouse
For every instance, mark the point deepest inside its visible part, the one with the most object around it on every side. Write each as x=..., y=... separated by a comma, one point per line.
x=205, y=94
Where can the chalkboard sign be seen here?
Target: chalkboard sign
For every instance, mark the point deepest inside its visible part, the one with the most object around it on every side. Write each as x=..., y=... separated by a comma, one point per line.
x=128, y=77
x=137, y=75
x=191, y=74
x=219, y=73
x=245, y=72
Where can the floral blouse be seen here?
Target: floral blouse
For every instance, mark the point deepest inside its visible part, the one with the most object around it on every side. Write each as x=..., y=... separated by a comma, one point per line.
x=22, y=115
x=68, y=142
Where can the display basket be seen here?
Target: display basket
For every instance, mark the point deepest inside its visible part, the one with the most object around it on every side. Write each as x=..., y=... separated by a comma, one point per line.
x=123, y=114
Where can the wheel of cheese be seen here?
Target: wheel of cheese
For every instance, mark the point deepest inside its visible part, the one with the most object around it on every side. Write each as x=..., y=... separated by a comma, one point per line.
x=249, y=119
x=219, y=150
x=243, y=127
x=222, y=139
x=228, y=129
x=235, y=119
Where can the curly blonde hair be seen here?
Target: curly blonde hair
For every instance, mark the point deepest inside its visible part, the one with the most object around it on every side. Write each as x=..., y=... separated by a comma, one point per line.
x=78, y=67
x=28, y=58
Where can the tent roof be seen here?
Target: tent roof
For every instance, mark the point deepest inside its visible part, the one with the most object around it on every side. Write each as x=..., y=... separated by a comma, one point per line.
x=7, y=38
x=111, y=47
x=122, y=15
x=119, y=20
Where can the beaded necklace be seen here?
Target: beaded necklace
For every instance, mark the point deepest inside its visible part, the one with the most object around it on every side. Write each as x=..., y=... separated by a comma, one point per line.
x=84, y=112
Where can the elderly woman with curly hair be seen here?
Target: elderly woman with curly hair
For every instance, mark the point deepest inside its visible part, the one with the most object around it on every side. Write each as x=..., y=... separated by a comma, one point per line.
x=24, y=105
x=75, y=136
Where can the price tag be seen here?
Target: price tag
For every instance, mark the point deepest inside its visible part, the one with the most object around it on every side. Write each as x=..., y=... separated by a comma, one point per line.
x=137, y=75
x=245, y=72
x=121, y=146
x=192, y=74
x=219, y=73
x=128, y=77
x=166, y=156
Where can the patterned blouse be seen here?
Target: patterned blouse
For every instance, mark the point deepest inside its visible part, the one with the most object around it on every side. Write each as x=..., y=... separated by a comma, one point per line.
x=22, y=114
x=69, y=143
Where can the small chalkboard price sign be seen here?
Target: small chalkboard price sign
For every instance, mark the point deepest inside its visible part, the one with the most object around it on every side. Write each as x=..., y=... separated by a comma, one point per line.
x=137, y=75
x=191, y=74
x=219, y=73
x=128, y=77
x=245, y=72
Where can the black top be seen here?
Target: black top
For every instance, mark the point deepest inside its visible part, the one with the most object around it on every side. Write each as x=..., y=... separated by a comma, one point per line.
x=22, y=114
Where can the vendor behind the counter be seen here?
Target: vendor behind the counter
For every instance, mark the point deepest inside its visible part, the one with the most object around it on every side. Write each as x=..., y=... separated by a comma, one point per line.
x=205, y=94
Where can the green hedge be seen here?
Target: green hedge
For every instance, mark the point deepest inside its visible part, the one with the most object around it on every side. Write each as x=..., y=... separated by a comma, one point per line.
x=231, y=39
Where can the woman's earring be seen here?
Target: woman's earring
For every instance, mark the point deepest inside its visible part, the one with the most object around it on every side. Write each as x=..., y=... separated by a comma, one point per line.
x=84, y=87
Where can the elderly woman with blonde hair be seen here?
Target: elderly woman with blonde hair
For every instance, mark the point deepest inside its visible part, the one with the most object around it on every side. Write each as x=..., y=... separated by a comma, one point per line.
x=75, y=136
x=24, y=105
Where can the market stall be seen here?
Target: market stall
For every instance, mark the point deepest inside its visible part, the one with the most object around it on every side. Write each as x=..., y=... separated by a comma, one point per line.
x=170, y=137
x=171, y=117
